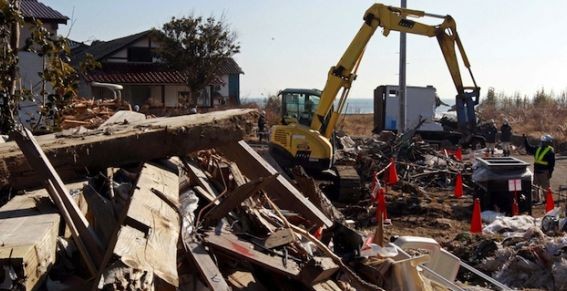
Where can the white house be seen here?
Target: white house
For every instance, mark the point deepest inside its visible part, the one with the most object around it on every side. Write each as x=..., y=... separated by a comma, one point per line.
x=130, y=61
x=30, y=64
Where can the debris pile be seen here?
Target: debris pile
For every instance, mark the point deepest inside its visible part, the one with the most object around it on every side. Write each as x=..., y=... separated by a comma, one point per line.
x=183, y=203
x=427, y=179
x=418, y=163
x=89, y=112
x=191, y=207
x=515, y=252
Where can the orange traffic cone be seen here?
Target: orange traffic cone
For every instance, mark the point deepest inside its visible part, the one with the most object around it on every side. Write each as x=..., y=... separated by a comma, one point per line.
x=459, y=154
x=549, y=204
x=392, y=173
x=515, y=208
x=476, y=222
x=459, y=186
x=381, y=205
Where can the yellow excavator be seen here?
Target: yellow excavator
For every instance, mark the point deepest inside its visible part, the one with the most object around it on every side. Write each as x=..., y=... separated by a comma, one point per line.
x=309, y=116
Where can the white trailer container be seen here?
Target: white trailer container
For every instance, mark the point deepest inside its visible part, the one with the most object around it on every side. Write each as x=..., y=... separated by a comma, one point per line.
x=420, y=104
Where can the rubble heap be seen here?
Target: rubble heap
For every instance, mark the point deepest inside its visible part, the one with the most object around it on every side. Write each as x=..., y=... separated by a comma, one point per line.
x=89, y=112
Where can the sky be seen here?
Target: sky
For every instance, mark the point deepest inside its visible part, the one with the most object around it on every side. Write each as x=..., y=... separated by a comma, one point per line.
x=515, y=46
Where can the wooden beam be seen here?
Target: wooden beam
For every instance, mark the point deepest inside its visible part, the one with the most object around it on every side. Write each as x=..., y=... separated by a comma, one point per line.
x=279, y=238
x=245, y=281
x=74, y=155
x=83, y=235
x=283, y=193
x=148, y=238
x=318, y=269
x=29, y=226
x=207, y=267
x=236, y=197
x=242, y=250
x=199, y=176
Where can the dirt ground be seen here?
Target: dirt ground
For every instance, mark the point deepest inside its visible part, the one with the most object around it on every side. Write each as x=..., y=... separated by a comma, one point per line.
x=443, y=217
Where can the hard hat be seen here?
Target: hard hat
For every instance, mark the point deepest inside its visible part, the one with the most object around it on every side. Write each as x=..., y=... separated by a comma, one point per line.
x=263, y=112
x=546, y=138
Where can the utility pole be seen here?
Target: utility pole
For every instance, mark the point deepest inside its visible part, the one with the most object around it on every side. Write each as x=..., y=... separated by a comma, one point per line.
x=402, y=81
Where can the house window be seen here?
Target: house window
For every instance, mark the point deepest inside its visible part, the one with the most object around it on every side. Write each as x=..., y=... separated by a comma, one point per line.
x=140, y=54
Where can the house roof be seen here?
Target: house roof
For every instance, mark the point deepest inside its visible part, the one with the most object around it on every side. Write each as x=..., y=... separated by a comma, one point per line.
x=38, y=10
x=229, y=66
x=101, y=49
x=123, y=73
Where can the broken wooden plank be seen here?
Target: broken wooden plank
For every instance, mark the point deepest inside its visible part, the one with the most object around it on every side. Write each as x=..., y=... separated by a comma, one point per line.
x=307, y=186
x=328, y=285
x=231, y=245
x=245, y=281
x=236, y=197
x=84, y=236
x=121, y=144
x=279, y=238
x=207, y=267
x=283, y=193
x=29, y=226
x=199, y=176
x=148, y=238
x=318, y=269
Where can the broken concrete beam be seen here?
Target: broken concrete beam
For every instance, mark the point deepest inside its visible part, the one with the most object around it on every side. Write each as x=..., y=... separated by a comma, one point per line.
x=123, y=117
x=29, y=226
x=282, y=192
x=148, y=238
x=229, y=244
x=74, y=155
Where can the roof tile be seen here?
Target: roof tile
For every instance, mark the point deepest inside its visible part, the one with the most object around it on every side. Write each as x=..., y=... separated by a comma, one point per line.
x=123, y=73
x=38, y=10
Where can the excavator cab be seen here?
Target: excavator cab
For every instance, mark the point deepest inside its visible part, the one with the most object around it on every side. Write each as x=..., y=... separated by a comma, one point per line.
x=299, y=105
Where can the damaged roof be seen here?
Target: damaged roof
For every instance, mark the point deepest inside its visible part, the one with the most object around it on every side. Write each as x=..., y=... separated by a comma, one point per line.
x=34, y=9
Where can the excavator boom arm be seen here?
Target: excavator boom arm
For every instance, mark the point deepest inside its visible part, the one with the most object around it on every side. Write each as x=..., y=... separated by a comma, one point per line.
x=391, y=18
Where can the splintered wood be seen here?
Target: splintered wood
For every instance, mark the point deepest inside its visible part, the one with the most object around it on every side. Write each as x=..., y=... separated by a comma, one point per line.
x=148, y=239
x=284, y=194
x=29, y=227
x=90, y=113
